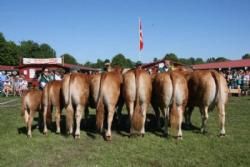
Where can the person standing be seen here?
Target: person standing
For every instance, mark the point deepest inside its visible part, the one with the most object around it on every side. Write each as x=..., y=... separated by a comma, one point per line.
x=44, y=78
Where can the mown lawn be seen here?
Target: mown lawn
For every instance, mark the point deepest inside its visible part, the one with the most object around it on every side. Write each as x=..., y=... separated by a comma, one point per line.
x=153, y=150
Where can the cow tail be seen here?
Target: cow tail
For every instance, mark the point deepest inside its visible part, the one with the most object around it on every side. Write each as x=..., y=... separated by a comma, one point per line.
x=100, y=110
x=173, y=109
x=221, y=88
x=137, y=118
x=67, y=99
x=66, y=89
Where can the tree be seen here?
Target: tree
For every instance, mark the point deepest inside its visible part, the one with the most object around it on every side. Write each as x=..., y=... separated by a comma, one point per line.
x=210, y=60
x=120, y=60
x=8, y=52
x=155, y=59
x=199, y=61
x=32, y=49
x=171, y=56
x=246, y=56
x=46, y=51
x=221, y=59
x=69, y=59
x=29, y=49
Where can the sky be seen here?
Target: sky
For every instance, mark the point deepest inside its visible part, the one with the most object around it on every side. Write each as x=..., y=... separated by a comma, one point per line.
x=92, y=29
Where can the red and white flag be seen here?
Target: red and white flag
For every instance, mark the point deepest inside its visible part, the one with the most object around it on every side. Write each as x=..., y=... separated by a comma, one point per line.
x=141, y=35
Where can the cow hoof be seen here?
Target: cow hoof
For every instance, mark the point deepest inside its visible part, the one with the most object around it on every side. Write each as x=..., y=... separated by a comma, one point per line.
x=108, y=138
x=58, y=132
x=142, y=135
x=77, y=136
x=203, y=131
x=29, y=136
x=222, y=135
x=165, y=135
x=179, y=138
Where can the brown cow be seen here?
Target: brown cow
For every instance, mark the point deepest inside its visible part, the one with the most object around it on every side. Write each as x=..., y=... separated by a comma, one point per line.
x=108, y=97
x=207, y=90
x=52, y=96
x=170, y=91
x=137, y=89
x=75, y=88
x=31, y=102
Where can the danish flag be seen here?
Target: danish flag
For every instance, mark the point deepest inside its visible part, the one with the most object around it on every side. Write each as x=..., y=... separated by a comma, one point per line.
x=141, y=36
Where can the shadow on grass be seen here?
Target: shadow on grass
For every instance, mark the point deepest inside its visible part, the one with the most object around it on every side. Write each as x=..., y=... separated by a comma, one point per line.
x=121, y=125
x=23, y=130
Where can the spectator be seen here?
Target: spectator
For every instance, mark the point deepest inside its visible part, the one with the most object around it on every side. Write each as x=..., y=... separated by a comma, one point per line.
x=57, y=76
x=44, y=78
x=7, y=88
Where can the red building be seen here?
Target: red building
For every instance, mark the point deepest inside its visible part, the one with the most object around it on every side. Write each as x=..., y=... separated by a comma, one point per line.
x=30, y=69
x=244, y=63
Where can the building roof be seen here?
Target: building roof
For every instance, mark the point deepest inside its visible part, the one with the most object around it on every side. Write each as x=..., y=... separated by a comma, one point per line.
x=225, y=64
x=3, y=67
x=67, y=66
x=166, y=62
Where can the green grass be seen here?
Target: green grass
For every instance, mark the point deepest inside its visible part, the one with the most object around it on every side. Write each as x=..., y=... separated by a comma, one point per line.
x=91, y=150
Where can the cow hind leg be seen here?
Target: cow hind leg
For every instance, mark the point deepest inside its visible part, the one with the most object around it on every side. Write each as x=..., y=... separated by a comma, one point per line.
x=131, y=112
x=221, y=112
x=187, y=115
x=29, y=124
x=180, y=118
x=111, y=111
x=157, y=115
x=166, y=120
x=45, y=129
x=58, y=118
x=78, y=116
x=204, y=115
x=26, y=116
x=69, y=119
x=144, y=112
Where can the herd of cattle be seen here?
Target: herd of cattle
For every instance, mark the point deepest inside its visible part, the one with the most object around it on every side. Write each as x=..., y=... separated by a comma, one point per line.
x=174, y=93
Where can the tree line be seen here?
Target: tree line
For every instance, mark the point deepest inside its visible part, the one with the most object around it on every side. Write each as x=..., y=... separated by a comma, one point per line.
x=11, y=54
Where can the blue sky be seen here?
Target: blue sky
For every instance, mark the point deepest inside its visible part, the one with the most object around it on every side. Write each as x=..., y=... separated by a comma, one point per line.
x=91, y=29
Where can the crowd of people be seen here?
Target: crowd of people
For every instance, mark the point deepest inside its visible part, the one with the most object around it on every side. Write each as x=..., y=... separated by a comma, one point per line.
x=12, y=84
x=47, y=76
x=238, y=79
x=16, y=85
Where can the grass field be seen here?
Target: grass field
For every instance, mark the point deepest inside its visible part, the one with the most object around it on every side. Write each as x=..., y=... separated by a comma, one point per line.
x=153, y=150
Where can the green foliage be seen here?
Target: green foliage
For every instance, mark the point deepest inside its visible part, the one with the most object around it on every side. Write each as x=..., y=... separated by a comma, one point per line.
x=117, y=60
x=221, y=59
x=155, y=59
x=31, y=49
x=121, y=61
x=10, y=53
x=47, y=51
x=171, y=56
x=69, y=59
x=211, y=59
x=246, y=56
x=187, y=61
